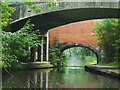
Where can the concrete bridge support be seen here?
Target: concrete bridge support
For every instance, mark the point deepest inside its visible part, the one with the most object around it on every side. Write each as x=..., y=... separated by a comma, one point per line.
x=47, y=47
x=42, y=51
x=45, y=40
x=41, y=54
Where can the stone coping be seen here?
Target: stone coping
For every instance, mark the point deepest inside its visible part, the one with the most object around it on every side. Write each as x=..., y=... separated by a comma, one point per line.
x=106, y=71
x=40, y=62
x=105, y=66
x=39, y=65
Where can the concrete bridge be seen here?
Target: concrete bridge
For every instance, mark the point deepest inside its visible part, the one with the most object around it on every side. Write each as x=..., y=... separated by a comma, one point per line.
x=64, y=13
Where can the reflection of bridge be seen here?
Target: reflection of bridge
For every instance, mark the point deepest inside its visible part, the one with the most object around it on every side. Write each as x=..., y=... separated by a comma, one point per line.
x=40, y=78
x=64, y=13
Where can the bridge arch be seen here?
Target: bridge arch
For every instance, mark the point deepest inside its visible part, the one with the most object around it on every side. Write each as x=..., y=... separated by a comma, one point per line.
x=70, y=45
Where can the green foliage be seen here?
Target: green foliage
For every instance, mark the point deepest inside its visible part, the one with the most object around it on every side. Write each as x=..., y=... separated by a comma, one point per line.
x=88, y=63
x=111, y=63
x=6, y=13
x=117, y=49
x=84, y=54
x=34, y=7
x=15, y=45
x=80, y=51
x=51, y=4
x=107, y=34
x=55, y=58
x=117, y=71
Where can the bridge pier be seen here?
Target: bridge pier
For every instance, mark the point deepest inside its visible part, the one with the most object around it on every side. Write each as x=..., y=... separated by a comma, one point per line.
x=42, y=42
x=47, y=47
x=45, y=39
x=41, y=54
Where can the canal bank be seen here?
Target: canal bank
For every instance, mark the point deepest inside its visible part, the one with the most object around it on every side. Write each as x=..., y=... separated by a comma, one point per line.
x=110, y=71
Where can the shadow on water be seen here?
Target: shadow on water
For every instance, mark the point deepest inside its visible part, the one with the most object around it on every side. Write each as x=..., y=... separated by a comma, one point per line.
x=67, y=77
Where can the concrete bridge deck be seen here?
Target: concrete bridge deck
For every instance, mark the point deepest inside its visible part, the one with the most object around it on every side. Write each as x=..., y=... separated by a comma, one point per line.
x=64, y=13
x=22, y=10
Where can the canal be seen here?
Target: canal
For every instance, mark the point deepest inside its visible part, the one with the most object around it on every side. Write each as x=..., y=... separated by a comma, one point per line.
x=68, y=77
x=71, y=76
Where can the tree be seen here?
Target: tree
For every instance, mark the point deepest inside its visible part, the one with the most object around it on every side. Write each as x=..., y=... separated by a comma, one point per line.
x=107, y=33
x=55, y=58
x=15, y=45
x=33, y=5
x=6, y=13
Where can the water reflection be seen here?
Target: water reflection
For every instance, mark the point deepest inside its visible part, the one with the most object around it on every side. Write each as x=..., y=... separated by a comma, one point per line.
x=69, y=77
x=26, y=79
x=39, y=79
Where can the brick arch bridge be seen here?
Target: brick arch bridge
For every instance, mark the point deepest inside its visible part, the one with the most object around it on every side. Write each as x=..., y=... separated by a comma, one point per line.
x=75, y=35
x=70, y=45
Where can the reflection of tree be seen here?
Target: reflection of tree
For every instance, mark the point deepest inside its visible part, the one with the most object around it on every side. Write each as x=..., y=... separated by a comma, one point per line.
x=27, y=79
x=56, y=77
x=18, y=79
x=72, y=78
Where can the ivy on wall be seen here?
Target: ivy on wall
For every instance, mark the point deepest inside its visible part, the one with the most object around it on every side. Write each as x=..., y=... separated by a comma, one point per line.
x=55, y=58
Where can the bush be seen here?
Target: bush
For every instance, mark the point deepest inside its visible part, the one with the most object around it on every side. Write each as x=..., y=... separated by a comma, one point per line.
x=15, y=45
x=107, y=33
x=55, y=58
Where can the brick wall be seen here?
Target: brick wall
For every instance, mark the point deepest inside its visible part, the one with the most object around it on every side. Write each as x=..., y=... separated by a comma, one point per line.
x=79, y=32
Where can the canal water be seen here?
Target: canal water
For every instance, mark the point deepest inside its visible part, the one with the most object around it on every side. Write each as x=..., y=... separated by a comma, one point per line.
x=72, y=76
x=68, y=77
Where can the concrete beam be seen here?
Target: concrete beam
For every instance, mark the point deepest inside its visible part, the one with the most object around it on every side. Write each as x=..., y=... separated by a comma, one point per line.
x=46, y=21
